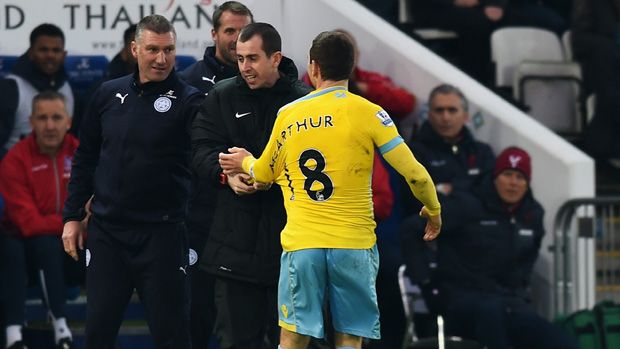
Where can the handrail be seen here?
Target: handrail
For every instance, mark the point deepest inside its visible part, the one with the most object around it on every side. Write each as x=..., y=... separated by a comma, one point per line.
x=564, y=248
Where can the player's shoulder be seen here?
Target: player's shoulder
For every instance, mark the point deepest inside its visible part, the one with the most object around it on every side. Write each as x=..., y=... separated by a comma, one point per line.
x=363, y=103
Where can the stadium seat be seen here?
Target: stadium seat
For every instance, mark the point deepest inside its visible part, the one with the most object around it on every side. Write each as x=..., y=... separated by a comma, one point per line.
x=532, y=62
x=183, y=61
x=567, y=44
x=6, y=63
x=406, y=20
x=413, y=303
x=84, y=71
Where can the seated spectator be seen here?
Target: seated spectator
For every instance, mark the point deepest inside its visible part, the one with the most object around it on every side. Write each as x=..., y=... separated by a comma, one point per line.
x=40, y=68
x=124, y=62
x=596, y=45
x=475, y=20
x=33, y=181
x=377, y=88
x=447, y=148
x=486, y=254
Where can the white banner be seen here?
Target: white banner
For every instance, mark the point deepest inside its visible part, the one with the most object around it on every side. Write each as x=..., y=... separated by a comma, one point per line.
x=95, y=27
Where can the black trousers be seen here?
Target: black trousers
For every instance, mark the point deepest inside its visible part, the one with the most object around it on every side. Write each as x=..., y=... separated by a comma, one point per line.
x=40, y=256
x=246, y=315
x=202, y=310
x=153, y=260
x=499, y=322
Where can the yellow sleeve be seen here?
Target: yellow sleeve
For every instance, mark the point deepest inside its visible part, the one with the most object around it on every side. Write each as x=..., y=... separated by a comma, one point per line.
x=402, y=160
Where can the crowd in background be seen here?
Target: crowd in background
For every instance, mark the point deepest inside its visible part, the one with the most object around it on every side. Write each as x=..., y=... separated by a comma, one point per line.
x=486, y=252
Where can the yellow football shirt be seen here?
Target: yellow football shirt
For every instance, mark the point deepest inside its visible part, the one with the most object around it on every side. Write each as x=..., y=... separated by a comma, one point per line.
x=321, y=154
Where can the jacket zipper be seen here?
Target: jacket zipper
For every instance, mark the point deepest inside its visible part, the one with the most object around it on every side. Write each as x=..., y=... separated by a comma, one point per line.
x=57, y=182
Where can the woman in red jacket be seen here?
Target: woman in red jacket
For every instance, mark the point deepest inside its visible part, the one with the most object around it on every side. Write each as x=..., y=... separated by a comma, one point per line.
x=33, y=181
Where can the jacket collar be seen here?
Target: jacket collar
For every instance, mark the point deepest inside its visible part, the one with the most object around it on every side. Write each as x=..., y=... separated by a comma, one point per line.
x=27, y=70
x=154, y=87
x=223, y=71
x=428, y=136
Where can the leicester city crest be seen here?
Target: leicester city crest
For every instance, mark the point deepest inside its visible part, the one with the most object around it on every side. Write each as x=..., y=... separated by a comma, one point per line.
x=162, y=104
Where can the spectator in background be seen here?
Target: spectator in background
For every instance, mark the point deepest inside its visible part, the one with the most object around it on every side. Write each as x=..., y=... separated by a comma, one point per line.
x=219, y=62
x=40, y=68
x=456, y=161
x=377, y=88
x=475, y=20
x=124, y=62
x=486, y=256
x=33, y=180
x=596, y=45
x=446, y=146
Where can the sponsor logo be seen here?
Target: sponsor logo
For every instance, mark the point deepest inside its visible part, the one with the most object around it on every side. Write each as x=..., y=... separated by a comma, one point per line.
x=39, y=167
x=237, y=115
x=212, y=80
x=385, y=119
x=121, y=97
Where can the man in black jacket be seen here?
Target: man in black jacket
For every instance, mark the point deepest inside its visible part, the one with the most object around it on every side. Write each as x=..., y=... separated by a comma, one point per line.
x=133, y=160
x=219, y=62
x=243, y=248
x=486, y=255
x=447, y=148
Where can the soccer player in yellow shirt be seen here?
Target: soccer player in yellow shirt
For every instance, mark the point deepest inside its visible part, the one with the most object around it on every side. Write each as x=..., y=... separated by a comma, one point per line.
x=321, y=154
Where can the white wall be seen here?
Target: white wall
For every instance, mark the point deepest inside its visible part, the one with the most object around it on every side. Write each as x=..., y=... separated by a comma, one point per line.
x=560, y=171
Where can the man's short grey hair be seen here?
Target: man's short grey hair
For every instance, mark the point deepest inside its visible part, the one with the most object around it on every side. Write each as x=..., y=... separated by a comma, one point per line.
x=155, y=23
x=446, y=89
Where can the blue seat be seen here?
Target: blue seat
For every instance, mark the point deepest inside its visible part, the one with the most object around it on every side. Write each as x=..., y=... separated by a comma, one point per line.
x=183, y=61
x=6, y=63
x=84, y=71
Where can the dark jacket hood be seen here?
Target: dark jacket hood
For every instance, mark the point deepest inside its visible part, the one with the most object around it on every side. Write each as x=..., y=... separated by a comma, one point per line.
x=216, y=66
x=27, y=70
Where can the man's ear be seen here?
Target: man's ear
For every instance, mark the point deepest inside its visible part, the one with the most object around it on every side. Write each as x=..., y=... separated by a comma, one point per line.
x=277, y=58
x=134, y=49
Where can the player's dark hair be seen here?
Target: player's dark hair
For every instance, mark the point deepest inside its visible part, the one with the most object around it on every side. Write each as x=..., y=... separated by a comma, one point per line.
x=334, y=53
x=46, y=29
x=272, y=42
x=231, y=6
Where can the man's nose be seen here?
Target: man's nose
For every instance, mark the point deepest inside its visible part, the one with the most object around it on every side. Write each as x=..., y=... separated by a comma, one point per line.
x=161, y=58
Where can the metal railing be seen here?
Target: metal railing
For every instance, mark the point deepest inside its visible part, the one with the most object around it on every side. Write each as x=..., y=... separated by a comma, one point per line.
x=586, y=250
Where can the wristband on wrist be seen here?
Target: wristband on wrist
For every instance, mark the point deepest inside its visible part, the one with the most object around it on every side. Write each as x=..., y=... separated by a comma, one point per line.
x=223, y=179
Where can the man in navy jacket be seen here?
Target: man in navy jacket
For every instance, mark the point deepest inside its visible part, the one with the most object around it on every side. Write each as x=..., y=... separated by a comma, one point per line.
x=134, y=161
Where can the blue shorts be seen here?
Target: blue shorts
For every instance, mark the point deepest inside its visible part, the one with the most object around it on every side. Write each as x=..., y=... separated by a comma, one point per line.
x=346, y=276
